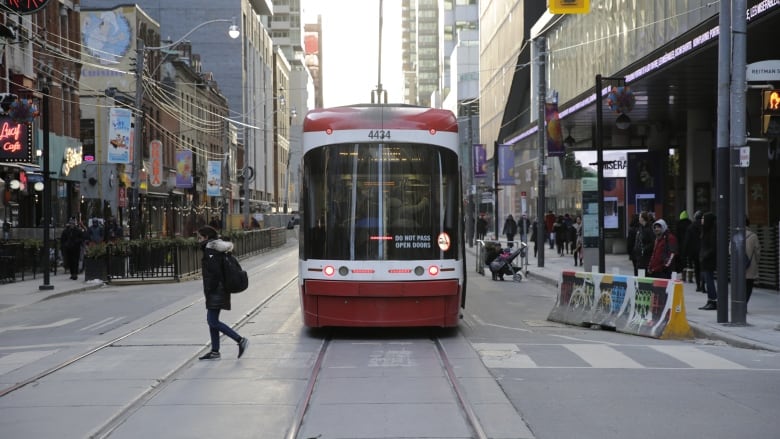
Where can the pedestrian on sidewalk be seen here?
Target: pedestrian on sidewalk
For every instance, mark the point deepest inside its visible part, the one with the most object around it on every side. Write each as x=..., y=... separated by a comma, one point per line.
x=665, y=252
x=534, y=229
x=217, y=298
x=510, y=230
x=578, y=240
x=708, y=259
x=643, y=243
x=71, y=240
x=753, y=253
x=692, y=247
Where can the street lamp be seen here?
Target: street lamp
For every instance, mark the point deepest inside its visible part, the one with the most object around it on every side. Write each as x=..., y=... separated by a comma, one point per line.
x=233, y=33
x=45, y=89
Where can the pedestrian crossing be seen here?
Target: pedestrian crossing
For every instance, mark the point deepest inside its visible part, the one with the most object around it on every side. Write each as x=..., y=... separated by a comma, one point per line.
x=610, y=356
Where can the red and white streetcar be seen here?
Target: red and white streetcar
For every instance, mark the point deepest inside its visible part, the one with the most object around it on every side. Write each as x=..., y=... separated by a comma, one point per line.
x=381, y=217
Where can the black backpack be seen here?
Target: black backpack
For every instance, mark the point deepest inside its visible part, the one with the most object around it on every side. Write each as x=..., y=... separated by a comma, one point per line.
x=234, y=278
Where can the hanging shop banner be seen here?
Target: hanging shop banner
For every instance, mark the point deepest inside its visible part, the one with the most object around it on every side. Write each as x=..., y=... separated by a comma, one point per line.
x=15, y=141
x=214, y=178
x=506, y=164
x=156, y=156
x=480, y=160
x=184, y=169
x=119, y=135
x=555, y=146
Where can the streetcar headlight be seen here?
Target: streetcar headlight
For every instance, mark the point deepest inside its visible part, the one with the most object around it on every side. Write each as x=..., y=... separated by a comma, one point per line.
x=433, y=270
x=329, y=270
x=418, y=270
x=343, y=270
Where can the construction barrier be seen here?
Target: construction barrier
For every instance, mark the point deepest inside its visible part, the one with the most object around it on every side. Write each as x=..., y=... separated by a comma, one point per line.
x=634, y=305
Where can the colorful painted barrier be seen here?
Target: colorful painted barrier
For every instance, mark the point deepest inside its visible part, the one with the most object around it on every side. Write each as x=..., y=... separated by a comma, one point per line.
x=635, y=305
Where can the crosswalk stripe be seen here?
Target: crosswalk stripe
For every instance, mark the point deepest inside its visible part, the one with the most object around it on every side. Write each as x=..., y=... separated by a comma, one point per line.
x=602, y=356
x=697, y=358
x=504, y=355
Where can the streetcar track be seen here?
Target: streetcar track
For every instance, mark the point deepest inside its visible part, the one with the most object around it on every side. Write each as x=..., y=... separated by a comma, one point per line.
x=117, y=420
x=466, y=408
x=111, y=424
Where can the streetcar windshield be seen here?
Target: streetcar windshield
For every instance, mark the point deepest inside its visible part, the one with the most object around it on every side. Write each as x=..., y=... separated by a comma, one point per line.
x=380, y=202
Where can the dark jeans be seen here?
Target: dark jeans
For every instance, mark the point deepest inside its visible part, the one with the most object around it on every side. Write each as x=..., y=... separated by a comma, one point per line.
x=748, y=289
x=708, y=278
x=216, y=326
x=72, y=256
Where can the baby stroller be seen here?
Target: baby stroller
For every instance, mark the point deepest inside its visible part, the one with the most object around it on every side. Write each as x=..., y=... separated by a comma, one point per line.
x=502, y=264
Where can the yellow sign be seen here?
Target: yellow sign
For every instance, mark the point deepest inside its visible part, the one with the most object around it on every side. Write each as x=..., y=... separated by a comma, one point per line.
x=568, y=6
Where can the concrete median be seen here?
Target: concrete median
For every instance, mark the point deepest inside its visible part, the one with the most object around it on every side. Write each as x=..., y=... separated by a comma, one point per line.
x=634, y=305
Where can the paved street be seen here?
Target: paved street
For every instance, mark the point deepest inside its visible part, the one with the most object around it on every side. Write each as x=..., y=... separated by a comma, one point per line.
x=515, y=365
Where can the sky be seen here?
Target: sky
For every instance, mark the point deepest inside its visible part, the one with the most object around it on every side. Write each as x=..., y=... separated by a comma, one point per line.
x=350, y=33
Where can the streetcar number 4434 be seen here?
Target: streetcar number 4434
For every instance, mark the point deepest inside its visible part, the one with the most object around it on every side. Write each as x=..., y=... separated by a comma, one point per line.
x=379, y=134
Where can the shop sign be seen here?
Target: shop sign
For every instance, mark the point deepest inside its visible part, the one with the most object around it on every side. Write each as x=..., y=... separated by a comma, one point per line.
x=15, y=141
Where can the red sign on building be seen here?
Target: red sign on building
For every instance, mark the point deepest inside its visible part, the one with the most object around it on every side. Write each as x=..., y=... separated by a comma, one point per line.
x=15, y=141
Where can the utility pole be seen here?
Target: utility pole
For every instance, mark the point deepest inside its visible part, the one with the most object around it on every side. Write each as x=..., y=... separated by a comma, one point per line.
x=135, y=205
x=541, y=231
x=722, y=158
x=738, y=140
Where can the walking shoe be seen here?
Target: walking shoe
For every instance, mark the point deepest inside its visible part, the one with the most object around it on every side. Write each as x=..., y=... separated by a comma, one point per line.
x=242, y=345
x=710, y=305
x=211, y=356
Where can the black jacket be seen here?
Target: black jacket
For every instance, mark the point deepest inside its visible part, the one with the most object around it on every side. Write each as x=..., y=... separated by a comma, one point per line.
x=213, y=256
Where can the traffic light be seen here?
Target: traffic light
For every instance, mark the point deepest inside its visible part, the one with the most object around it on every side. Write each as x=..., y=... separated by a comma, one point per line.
x=770, y=113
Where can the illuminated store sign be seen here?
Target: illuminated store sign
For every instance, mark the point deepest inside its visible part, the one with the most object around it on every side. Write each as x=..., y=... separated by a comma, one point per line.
x=15, y=142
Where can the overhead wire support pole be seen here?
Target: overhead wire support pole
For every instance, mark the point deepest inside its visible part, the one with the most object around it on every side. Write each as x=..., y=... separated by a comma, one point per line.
x=46, y=190
x=722, y=157
x=135, y=205
x=738, y=141
x=541, y=230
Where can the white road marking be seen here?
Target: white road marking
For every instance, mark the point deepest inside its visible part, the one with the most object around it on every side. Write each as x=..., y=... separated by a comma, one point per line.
x=603, y=357
x=697, y=358
x=62, y=322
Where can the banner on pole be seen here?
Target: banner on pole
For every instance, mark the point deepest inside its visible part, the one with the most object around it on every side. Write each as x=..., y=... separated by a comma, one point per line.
x=480, y=160
x=119, y=127
x=214, y=178
x=506, y=164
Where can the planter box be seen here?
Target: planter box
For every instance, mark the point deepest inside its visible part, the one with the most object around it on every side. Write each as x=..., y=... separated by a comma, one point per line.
x=95, y=268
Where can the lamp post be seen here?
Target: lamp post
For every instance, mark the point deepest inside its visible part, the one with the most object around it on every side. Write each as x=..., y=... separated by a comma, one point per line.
x=622, y=119
x=233, y=32
x=46, y=188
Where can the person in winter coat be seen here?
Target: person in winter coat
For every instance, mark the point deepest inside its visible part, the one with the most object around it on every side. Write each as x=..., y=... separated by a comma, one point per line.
x=643, y=243
x=559, y=228
x=753, y=253
x=665, y=251
x=71, y=240
x=578, y=242
x=682, y=234
x=708, y=258
x=692, y=245
x=510, y=229
x=217, y=299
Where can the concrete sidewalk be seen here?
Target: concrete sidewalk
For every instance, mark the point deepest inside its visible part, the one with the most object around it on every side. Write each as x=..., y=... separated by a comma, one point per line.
x=763, y=319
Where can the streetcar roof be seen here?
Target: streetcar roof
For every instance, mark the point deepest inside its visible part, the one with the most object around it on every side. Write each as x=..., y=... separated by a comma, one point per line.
x=389, y=117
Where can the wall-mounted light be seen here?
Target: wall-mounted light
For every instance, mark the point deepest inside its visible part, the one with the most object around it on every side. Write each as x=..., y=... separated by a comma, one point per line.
x=38, y=186
x=15, y=184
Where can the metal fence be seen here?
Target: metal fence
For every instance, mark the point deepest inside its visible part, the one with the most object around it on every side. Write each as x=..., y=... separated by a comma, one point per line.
x=174, y=262
x=18, y=261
